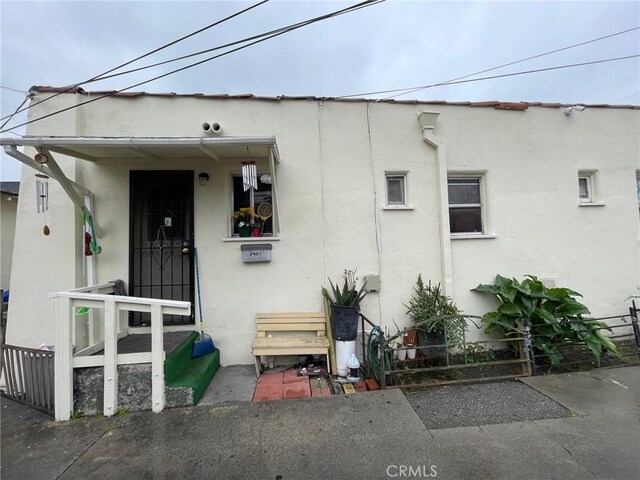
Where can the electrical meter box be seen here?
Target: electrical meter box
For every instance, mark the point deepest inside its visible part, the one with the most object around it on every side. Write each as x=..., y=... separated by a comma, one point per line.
x=372, y=283
x=255, y=253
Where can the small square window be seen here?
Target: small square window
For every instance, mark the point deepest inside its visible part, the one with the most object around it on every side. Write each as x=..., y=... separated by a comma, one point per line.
x=465, y=205
x=585, y=191
x=396, y=189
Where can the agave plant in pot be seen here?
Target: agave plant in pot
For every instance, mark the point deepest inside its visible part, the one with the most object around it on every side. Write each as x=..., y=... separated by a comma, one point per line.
x=345, y=305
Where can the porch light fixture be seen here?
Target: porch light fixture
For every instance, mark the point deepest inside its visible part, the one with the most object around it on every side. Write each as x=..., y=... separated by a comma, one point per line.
x=203, y=178
x=266, y=179
x=41, y=158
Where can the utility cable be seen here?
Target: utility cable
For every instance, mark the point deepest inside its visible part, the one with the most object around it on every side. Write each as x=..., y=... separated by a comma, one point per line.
x=213, y=49
x=415, y=89
x=355, y=7
x=156, y=50
x=525, y=72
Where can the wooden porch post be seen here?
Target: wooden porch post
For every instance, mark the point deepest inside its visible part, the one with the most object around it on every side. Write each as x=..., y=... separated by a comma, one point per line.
x=63, y=358
x=157, y=359
x=111, y=324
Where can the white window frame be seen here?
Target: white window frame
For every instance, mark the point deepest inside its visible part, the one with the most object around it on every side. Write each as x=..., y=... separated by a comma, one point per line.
x=470, y=176
x=403, y=202
x=588, y=178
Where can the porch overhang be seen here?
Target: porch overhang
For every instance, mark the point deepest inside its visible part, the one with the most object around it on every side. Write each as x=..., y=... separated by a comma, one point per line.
x=116, y=149
x=108, y=149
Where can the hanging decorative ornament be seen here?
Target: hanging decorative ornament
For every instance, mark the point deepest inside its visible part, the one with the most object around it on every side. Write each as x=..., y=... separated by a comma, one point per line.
x=250, y=180
x=42, y=198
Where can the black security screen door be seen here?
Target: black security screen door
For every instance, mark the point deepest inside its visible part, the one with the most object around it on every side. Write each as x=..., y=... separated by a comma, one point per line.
x=161, y=241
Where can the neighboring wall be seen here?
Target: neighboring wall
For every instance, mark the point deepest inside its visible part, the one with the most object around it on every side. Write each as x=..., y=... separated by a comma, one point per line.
x=8, y=208
x=331, y=190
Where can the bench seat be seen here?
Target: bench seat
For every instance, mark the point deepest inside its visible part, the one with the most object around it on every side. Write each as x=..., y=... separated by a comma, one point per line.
x=297, y=333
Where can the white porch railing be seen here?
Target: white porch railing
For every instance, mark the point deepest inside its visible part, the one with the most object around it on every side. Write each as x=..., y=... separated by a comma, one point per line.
x=100, y=329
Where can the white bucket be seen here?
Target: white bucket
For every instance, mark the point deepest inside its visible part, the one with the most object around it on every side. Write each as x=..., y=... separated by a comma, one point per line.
x=344, y=350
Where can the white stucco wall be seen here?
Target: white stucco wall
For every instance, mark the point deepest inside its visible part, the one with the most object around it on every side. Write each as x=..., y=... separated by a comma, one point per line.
x=331, y=190
x=8, y=209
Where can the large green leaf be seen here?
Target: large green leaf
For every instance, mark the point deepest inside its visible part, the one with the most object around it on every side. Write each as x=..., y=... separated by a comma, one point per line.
x=507, y=291
x=483, y=288
x=545, y=316
x=571, y=308
x=510, y=309
x=562, y=293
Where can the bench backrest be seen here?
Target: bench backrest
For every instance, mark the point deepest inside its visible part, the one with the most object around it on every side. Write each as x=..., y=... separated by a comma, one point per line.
x=291, y=322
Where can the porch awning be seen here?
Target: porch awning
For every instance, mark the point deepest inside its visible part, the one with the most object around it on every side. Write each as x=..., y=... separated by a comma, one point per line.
x=97, y=149
x=108, y=149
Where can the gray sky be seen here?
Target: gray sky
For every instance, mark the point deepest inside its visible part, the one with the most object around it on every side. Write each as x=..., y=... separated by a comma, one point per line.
x=395, y=44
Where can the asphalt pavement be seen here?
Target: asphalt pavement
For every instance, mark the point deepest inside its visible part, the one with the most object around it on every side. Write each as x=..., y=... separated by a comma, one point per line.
x=363, y=436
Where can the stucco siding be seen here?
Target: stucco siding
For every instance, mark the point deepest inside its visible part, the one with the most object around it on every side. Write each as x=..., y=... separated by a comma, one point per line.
x=332, y=215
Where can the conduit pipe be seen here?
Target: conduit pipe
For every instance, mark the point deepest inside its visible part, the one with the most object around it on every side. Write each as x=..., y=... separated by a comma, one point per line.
x=213, y=128
x=427, y=121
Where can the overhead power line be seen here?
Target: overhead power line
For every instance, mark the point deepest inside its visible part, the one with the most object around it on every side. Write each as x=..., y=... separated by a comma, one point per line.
x=358, y=6
x=408, y=90
x=156, y=50
x=514, y=74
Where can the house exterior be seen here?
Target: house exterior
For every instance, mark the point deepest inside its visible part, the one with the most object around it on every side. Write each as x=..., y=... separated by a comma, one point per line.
x=458, y=192
x=9, y=207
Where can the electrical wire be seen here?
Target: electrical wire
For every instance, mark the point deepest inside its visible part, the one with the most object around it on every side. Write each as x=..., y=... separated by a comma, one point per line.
x=156, y=50
x=12, y=89
x=412, y=90
x=352, y=8
x=525, y=72
x=9, y=117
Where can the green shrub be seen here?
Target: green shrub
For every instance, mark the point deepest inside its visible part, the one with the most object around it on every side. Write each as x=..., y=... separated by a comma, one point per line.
x=556, y=317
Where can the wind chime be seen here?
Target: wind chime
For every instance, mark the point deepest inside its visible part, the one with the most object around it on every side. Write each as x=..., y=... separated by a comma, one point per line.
x=42, y=191
x=250, y=182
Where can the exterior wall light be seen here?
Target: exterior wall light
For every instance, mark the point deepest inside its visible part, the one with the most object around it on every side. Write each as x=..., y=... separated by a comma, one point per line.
x=203, y=178
x=569, y=110
x=41, y=158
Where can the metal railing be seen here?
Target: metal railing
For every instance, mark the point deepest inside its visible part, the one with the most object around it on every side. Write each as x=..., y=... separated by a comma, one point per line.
x=451, y=362
x=105, y=323
x=28, y=376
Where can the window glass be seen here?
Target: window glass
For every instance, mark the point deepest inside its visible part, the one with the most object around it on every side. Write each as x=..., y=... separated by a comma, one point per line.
x=584, y=188
x=395, y=190
x=465, y=205
x=241, y=200
x=464, y=191
x=638, y=187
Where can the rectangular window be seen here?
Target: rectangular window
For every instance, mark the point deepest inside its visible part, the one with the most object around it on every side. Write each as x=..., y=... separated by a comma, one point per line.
x=465, y=205
x=396, y=189
x=585, y=188
x=261, y=223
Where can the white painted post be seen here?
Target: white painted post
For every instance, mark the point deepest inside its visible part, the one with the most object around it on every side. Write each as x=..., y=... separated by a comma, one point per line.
x=157, y=359
x=63, y=362
x=110, y=358
x=90, y=273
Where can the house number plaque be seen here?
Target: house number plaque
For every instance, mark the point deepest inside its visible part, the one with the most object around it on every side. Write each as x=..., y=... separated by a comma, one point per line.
x=255, y=253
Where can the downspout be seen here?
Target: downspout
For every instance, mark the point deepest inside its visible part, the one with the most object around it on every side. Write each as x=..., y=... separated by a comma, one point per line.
x=427, y=121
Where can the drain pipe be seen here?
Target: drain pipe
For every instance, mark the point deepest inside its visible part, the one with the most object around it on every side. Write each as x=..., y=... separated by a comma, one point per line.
x=427, y=121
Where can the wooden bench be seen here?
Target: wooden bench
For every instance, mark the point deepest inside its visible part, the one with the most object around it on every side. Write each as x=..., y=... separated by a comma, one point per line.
x=287, y=337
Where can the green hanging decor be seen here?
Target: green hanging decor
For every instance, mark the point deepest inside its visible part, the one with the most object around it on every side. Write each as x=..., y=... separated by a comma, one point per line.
x=94, y=248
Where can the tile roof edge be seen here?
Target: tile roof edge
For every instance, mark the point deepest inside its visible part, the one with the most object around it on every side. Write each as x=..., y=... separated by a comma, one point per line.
x=504, y=105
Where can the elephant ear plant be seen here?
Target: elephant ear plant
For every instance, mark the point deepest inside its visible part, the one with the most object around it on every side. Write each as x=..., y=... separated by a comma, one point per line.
x=555, y=315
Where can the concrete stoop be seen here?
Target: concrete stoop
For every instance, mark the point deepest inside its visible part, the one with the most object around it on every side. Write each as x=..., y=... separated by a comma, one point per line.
x=186, y=379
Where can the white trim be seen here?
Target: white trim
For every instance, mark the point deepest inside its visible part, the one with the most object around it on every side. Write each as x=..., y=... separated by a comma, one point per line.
x=398, y=207
x=591, y=204
x=251, y=239
x=472, y=236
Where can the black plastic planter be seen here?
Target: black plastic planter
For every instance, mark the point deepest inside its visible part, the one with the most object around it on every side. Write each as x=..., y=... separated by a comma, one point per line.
x=344, y=323
x=426, y=339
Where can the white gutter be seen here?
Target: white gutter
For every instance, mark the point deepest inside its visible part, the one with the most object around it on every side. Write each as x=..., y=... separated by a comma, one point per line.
x=427, y=122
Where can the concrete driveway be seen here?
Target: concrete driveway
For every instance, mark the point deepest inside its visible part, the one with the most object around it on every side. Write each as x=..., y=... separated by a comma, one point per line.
x=369, y=436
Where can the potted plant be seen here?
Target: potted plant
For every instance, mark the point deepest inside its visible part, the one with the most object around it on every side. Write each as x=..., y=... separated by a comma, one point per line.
x=436, y=318
x=245, y=220
x=345, y=305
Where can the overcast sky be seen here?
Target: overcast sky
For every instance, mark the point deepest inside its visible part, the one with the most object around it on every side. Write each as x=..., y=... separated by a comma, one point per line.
x=395, y=44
